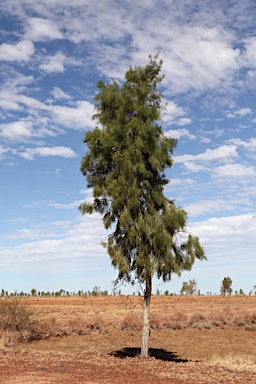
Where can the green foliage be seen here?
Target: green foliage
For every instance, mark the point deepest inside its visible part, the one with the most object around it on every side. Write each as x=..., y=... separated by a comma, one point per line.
x=188, y=288
x=226, y=286
x=127, y=155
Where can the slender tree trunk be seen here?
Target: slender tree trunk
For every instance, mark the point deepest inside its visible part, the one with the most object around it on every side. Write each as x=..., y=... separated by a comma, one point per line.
x=146, y=318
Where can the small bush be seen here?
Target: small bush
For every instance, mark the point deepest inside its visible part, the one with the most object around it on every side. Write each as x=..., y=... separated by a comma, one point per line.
x=155, y=321
x=240, y=323
x=197, y=318
x=16, y=319
x=174, y=324
x=131, y=322
x=216, y=318
x=202, y=325
x=180, y=317
x=85, y=326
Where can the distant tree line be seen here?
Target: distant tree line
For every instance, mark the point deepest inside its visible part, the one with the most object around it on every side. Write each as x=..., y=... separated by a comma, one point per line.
x=188, y=288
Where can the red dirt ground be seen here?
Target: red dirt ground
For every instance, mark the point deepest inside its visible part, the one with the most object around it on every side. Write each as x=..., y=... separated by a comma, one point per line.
x=183, y=356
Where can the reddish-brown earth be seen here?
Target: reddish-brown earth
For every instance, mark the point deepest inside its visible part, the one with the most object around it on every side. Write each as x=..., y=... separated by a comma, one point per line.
x=109, y=354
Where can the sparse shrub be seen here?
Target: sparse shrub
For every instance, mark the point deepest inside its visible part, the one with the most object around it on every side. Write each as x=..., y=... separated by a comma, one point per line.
x=216, y=318
x=250, y=318
x=155, y=321
x=16, y=319
x=179, y=316
x=50, y=328
x=240, y=323
x=197, y=318
x=85, y=326
x=131, y=322
x=202, y=325
x=8, y=339
x=172, y=324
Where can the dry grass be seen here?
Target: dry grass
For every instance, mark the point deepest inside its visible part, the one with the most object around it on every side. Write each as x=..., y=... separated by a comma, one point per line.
x=16, y=323
x=237, y=363
x=71, y=316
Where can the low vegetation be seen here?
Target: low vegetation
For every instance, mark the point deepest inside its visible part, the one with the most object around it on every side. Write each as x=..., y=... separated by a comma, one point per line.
x=18, y=323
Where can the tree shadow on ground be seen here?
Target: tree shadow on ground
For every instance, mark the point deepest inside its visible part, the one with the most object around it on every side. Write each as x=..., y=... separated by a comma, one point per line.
x=157, y=353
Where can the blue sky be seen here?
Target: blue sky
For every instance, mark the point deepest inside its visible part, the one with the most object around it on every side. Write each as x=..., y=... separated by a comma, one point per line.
x=52, y=53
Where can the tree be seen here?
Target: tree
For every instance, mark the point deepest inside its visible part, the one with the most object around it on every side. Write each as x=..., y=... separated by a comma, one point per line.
x=127, y=155
x=188, y=288
x=33, y=292
x=226, y=286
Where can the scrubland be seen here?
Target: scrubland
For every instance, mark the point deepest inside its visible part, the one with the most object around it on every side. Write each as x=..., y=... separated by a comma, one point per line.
x=193, y=339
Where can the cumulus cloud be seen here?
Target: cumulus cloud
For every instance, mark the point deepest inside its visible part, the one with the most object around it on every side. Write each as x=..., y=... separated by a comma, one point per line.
x=220, y=153
x=21, y=51
x=30, y=153
x=238, y=231
x=17, y=130
x=77, y=117
x=171, y=112
x=199, y=57
x=43, y=119
x=178, y=133
x=240, y=172
x=247, y=144
x=57, y=62
x=184, y=121
x=39, y=29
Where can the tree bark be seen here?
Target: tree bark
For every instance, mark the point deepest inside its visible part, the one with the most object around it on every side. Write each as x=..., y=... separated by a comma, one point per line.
x=146, y=318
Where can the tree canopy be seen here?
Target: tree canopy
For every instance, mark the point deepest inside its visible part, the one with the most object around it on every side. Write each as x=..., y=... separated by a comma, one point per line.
x=226, y=286
x=124, y=165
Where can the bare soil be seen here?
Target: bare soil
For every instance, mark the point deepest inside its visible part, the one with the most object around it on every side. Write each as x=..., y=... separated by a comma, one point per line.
x=110, y=354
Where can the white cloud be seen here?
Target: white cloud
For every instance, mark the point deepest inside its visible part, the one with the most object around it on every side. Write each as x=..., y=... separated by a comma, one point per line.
x=67, y=246
x=21, y=51
x=198, y=57
x=178, y=182
x=240, y=113
x=220, y=153
x=59, y=94
x=7, y=102
x=54, y=63
x=30, y=153
x=3, y=151
x=228, y=240
x=249, y=56
x=74, y=204
x=209, y=206
x=171, y=112
x=243, y=112
x=77, y=117
x=17, y=130
x=39, y=29
x=43, y=119
x=178, y=133
x=249, y=144
x=239, y=172
x=184, y=121
x=194, y=167
x=205, y=140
